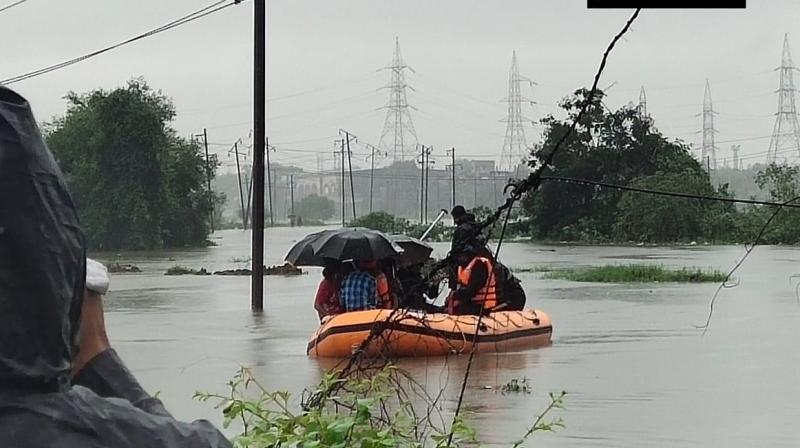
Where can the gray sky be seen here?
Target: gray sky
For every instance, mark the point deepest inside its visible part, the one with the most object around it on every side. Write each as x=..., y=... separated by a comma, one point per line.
x=323, y=55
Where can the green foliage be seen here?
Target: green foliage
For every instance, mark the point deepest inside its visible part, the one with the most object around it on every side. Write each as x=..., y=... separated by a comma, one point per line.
x=625, y=149
x=315, y=207
x=542, y=424
x=390, y=224
x=362, y=414
x=137, y=184
x=635, y=273
x=651, y=218
x=382, y=221
x=516, y=386
x=364, y=411
x=783, y=185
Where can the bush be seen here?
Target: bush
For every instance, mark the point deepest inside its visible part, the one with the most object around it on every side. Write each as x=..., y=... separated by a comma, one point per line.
x=315, y=208
x=368, y=410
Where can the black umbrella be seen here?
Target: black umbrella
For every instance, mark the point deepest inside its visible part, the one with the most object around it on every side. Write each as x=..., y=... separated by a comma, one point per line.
x=302, y=254
x=414, y=251
x=355, y=243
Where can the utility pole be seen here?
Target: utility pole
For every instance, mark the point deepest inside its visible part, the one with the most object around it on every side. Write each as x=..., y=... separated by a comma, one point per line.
x=259, y=103
x=239, y=177
x=428, y=163
x=248, y=179
x=475, y=190
x=270, y=174
x=421, y=183
x=452, y=153
x=319, y=175
x=208, y=177
x=341, y=160
x=348, y=138
x=291, y=191
x=372, y=171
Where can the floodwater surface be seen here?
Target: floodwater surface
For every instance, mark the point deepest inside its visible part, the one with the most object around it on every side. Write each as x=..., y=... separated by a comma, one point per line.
x=636, y=369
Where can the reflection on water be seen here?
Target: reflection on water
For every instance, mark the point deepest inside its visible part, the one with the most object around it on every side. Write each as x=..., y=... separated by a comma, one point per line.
x=636, y=370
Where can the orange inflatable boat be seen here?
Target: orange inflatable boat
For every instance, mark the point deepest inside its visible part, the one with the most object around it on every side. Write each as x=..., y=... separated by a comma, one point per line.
x=410, y=333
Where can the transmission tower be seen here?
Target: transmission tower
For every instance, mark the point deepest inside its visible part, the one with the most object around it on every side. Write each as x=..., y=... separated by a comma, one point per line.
x=398, y=137
x=515, y=147
x=709, y=151
x=786, y=133
x=641, y=109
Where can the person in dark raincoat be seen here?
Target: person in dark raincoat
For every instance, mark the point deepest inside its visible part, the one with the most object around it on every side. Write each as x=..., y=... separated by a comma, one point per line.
x=53, y=393
x=467, y=233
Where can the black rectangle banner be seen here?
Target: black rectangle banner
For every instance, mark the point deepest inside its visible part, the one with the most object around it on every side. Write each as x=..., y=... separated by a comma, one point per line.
x=667, y=4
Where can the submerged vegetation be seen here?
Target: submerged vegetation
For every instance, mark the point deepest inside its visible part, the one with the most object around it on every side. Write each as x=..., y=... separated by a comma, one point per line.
x=631, y=273
x=137, y=184
x=378, y=407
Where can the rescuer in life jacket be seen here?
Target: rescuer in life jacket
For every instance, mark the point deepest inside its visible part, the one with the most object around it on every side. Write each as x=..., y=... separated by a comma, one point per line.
x=475, y=284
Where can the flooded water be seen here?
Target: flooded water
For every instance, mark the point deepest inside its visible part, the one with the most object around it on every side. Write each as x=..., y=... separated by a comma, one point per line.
x=636, y=370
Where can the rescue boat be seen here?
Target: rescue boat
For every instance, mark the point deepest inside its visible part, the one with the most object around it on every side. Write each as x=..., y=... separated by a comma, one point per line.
x=403, y=333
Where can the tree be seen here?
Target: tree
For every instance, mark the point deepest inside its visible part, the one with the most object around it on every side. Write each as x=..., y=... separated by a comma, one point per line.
x=315, y=207
x=137, y=184
x=618, y=147
x=651, y=218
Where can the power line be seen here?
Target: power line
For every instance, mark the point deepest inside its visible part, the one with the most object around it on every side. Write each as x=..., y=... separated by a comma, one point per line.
x=19, y=2
x=210, y=9
x=573, y=180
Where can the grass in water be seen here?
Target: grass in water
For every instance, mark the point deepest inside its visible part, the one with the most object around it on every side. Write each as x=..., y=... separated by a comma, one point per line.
x=635, y=273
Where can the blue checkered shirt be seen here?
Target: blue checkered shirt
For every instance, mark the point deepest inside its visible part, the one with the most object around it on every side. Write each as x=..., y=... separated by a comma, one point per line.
x=359, y=291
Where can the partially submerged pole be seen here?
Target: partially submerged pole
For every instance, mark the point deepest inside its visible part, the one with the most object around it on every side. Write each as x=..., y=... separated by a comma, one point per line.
x=259, y=127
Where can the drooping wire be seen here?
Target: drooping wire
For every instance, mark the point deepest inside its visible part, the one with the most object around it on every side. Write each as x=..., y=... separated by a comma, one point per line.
x=530, y=184
x=747, y=251
x=478, y=324
x=9, y=6
x=207, y=10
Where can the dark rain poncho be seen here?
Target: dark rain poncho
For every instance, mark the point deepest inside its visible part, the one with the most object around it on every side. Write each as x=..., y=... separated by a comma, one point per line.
x=42, y=276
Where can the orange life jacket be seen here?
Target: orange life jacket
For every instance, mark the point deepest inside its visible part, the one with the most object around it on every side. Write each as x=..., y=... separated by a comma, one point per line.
x=384, y=292
x=488, y=293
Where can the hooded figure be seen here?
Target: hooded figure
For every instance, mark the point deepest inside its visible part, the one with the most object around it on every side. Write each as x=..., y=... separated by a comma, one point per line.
x=467, y=233
x=42, y=281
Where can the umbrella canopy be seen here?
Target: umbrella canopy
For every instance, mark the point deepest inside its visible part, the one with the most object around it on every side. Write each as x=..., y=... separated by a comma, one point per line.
x=414, y=251
x=355, y=243
x=302, y=254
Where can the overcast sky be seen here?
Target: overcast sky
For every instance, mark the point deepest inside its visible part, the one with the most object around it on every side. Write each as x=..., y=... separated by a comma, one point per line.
x=323, y=56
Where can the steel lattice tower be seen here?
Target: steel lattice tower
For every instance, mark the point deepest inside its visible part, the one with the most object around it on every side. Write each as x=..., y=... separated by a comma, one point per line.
x=398, y=137
x=515, y=147
x=786, y=132
x=641, y=109
x=709, y=151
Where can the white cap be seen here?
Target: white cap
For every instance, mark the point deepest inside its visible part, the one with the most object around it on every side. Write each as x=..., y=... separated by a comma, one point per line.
x=96, y=276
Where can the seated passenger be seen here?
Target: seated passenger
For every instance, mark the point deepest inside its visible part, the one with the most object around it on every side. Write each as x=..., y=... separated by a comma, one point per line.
x=416, y=291
x=511, y=295
x=359, y=289
x=387, y=286
x=327, y=300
